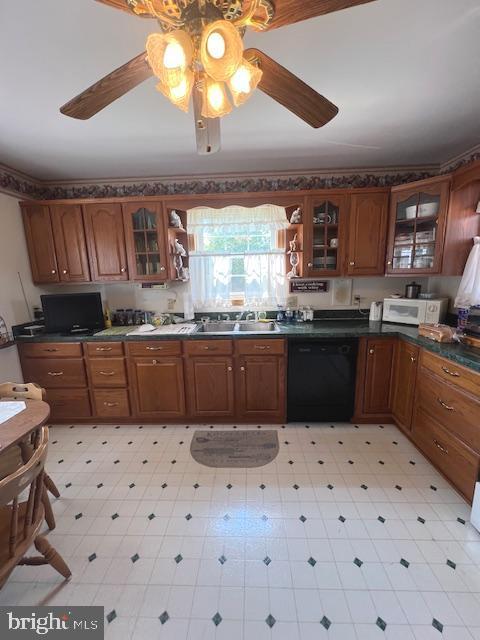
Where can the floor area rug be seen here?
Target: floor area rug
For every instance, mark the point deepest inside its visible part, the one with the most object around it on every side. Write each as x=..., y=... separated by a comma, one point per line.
x=224, y=449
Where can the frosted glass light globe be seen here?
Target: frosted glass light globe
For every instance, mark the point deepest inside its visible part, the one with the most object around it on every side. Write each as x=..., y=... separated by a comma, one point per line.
x=215, y=96
x=216, y=45
x=174, y=56
x=240, y=81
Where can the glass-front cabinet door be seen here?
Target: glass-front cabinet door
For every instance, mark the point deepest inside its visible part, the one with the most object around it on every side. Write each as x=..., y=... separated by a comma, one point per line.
x=145, y=227
x=324, y=235
x=417, y=222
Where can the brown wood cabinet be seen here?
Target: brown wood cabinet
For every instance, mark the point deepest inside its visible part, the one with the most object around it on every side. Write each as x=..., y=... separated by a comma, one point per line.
x=418, y=213
x=158, y=387
x=106, y=241
x=367, y=234
x=70, y=243
x=210, y=386
x=146, y=239
x=40, y=243
x=324, y=225
x=374, y=379
x=403, y=383
x=261, y=393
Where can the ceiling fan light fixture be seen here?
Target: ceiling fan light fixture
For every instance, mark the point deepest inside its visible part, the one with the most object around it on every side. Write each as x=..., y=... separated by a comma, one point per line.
x=244, y=82
x=215, y=102
x=180, y=94
x=169, y=55
x=221, y=50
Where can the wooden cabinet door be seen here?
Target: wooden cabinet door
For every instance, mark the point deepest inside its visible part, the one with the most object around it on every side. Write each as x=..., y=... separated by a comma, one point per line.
x=146, y=241
x=106, y=241
x=325, y=223
x=367, y=234
x=261, y=388
x=70, y=243
x=404, y=380
x=41, y=248
x=210, y=386
x=158, y=386
x=378, y=376
x=417, y=227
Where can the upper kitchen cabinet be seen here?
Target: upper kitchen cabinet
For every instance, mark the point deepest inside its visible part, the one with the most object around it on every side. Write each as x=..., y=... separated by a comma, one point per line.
x=106, y=241
x=40, y=243
x=367, y=232
x=325, y=223
x=145, y=234
x=417, y=223
x=70, y=244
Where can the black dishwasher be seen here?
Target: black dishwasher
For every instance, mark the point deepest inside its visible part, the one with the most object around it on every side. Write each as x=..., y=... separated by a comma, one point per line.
x=321, y=380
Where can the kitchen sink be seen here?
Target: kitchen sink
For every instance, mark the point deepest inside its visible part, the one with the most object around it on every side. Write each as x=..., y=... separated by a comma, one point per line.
x=237, y=327
x=257, y=327
x=217, y=327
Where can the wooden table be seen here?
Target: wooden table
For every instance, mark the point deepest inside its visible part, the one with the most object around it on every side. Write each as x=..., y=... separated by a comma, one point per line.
x=21, y=426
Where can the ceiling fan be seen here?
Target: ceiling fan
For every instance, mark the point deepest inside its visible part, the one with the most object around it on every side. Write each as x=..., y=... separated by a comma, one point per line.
x=199, y=54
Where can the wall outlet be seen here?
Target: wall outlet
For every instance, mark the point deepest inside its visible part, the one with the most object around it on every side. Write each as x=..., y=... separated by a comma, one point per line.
x=356, y=299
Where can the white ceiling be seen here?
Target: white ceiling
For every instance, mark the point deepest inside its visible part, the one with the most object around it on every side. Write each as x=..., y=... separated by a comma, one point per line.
x=405, y=74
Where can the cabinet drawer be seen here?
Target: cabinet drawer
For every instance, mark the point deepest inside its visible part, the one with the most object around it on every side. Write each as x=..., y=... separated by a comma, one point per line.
x=54, y=373
x=453, y=458
x=205, y=347
x=451, y=372
x=104, y=349
x=51, y=350
x=69, y=403
x=257, y=347
x=108, y=372
x=155, y=348
x=454, y=409
x=111, y=403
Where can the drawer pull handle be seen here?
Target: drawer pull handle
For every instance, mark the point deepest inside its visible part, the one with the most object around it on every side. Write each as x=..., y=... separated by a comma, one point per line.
x=445, y=406
x=55, y=373
x=260, y=347
x=103, y=349
x=209, y=348
x=110, y=404
x=439, y=446
x=107, y=373
x=154, y=348
x=51, y=350
x=454, y=374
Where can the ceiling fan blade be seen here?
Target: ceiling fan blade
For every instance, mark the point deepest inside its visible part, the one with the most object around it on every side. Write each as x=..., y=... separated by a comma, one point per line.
x=108, y=89
x=290, y=11
x=123, y=5
x=291, y=92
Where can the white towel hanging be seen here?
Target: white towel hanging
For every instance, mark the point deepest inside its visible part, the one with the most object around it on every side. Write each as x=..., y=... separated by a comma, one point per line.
x=469, y=290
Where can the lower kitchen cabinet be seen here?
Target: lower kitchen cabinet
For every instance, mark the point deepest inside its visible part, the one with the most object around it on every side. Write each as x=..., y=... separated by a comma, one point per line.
x=261, y=388
x=374, y=380
x=210, y=386
x=403, y=383
x=158, y=387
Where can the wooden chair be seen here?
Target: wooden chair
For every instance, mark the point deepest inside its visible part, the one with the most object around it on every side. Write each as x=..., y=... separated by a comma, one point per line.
x=15, y=457
x=21, y=520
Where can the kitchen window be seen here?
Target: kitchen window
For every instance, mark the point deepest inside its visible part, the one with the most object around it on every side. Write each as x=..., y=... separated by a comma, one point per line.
x=236, y=258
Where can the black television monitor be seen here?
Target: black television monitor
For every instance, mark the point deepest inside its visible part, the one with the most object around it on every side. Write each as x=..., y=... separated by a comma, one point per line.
x=73, y=312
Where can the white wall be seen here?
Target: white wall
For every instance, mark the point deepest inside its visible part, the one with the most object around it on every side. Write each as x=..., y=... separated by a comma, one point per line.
x=13, y=260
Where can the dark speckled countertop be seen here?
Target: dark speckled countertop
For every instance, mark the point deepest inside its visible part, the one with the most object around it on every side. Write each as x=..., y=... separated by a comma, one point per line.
x=309, y=330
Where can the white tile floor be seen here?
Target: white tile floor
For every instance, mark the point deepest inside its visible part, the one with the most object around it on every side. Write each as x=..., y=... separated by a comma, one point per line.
x=349, y=534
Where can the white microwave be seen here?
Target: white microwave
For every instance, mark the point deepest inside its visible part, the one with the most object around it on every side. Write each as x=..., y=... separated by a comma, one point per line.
x=414, y=311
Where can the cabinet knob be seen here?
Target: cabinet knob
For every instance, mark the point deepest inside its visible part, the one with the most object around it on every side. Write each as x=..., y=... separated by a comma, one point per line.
x=53, y=272
x=64, y=272
x=371, y=351
x=352, y=264
x=310, y=265
x=229, y=368
x=242, y=368
x=389, y=263
x=123, y=270
x=413, y=359
x=162, y=268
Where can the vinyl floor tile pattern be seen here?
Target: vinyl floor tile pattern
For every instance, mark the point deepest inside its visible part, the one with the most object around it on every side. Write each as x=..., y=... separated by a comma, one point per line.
x=348, y=534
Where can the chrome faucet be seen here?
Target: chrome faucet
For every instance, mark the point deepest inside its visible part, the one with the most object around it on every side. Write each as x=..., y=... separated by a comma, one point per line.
x=250, y=316
x=226, y=316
